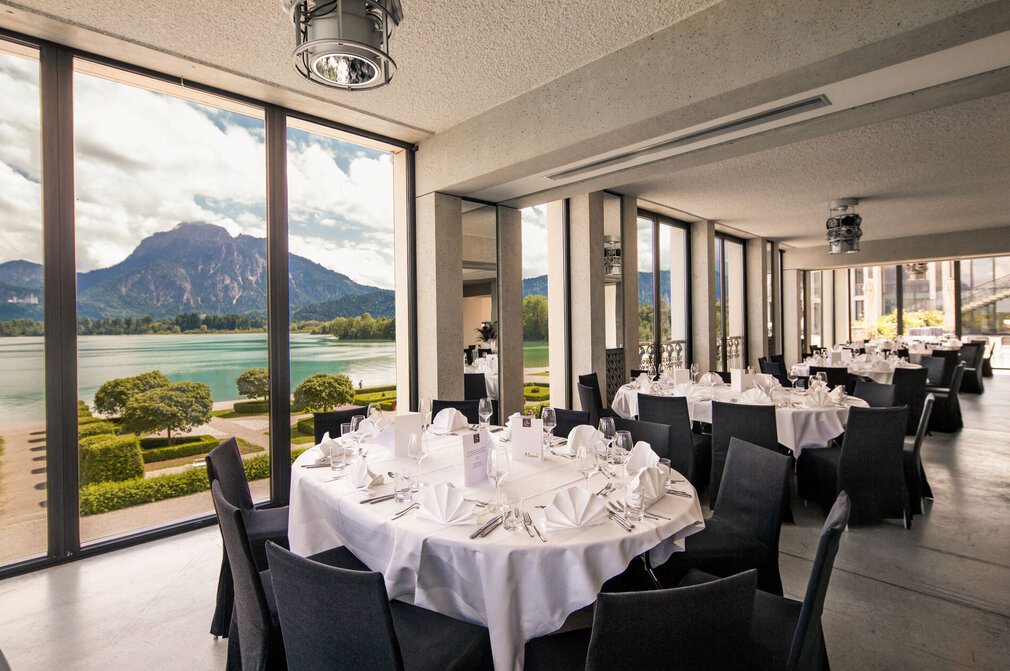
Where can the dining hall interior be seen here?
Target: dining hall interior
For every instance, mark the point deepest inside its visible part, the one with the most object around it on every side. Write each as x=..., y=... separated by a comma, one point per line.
x=505, y=335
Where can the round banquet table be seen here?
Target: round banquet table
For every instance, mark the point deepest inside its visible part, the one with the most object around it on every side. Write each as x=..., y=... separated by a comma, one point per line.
x=514, y=584
x=881, y=376
x=799, y=428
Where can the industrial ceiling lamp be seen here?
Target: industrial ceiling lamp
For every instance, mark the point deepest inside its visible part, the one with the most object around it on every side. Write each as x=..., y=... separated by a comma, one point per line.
x=344, y=43
x=843, y=226
x=917, y=271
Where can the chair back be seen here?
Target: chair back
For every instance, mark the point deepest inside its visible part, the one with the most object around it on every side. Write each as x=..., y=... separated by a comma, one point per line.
x=568, y=420
x=920, y=433
x=955, y=382
x=805, y=648
x=329, y=422
x=672, y=410
x=870, y=465
x=483, y=352
x=224, y=464
x=333, y=619
x=754, y=485
x=835, y=374
x=876, y=394
x=635, y=373
x=771, y=367
x=655, y=434
x=752, y=423
x=780, y=358
x=934, y=366
x=469, y=408
x=593, y=382
x=910, y=389
x=971, y=354
x=474, y=386
x=950, y=359
x=587, y=401
x=902, y=352
x=252, y=614
x=694, y=628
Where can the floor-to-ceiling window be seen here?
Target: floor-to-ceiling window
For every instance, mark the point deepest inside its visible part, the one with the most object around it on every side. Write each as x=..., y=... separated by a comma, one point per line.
x=816, y=310
x=985, y=303
x=536, y=350
x=663, y=269
x=730, y=307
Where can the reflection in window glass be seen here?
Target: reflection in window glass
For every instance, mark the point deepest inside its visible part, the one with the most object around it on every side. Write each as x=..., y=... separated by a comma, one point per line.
x=816, y=312
x=985, y=308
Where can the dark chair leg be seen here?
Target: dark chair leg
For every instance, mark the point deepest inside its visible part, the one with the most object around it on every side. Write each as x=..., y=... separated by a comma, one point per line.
x=219, y=626
x=648, y=569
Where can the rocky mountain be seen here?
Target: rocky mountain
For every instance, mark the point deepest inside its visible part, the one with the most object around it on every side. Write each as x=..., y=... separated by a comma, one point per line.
x=24, y=274
x=533, y=286
x=379, y=304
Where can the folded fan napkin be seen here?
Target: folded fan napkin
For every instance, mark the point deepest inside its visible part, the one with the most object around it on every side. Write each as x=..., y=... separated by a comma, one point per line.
x=330, y=446
x=444, y=504
x=817, y=398
x=816, y=384
x=642, y=456
x=644, y=381
x=575, y=507
x=448, y=420
x=710, y=379
x=837, y=394
x=684, y=389
x=583, y=434
x=755, y=396
x=905, y=364
x=359, y=477
x=653, y=484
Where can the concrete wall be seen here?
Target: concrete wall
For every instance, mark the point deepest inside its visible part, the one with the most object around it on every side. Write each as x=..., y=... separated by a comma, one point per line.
x=510, y=305
x=629, y=261
x=757, y=297
x=791, y=316
x=556, y=309
x=586, y=249
x=703, y=294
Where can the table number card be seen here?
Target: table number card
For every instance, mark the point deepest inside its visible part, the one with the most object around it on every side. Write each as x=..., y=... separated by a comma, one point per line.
x=404, y=424
x=527, y=439
x=475, y=447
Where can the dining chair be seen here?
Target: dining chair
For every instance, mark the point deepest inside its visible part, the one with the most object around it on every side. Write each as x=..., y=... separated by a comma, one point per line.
x=692, y=451
x=771, y=367
x=869, y=465
x=339, y=619
x=594, y=399
x=877, y=395
x=971, y=355
x=990, y=347
x=224, y=466
x=836, y=375
x=474, y=386
x=751, y=423
x=329, y=422
x=743, y=531
x=910, y=389
x=469, y=408
x=946, y=416
x=915, y=475
x=780, y=358
x=901, y=352
x=934, y=366
x=568, y=420
x=950, y=361
x=635, y=373
x=692, y=628
x=787, y=635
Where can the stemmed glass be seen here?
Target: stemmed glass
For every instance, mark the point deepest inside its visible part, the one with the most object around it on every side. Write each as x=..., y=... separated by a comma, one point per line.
x=417, y=449
x=608, y=429
x=694, y=372
x=484, y=410
x=355, y=433
x=622, y=446
x=585, y=462
x=550, y=420
x=497, y=469
x=652, y=371
x=424, y=409
x=822, y=377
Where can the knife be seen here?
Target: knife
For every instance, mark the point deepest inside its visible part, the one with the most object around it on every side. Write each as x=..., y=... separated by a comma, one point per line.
x=378, y=499
x=497, y=523
x=484, y=528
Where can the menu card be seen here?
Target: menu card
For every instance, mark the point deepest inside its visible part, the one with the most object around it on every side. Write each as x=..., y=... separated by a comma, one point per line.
x=835, y=358
x=741, y=380
x=681, y=375
x=527, y=439
x=405, y=424
x=475, y=447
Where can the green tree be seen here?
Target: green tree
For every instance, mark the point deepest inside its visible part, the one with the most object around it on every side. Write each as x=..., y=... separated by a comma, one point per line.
x=535, y=326
x=112, y=397
x=177, y=407
x=254, y=383
x=324, y=392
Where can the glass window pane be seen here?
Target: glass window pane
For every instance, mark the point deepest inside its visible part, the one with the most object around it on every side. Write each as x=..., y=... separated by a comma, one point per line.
x=646, y=323
x=673, y=294
x=171, y=256
x=613, y=295
x=536, y=359
x=735, y=300
x=22, y=398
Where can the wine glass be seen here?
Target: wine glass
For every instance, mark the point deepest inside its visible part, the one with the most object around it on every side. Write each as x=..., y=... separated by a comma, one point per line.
x=608, y=429
x=417, y=449
x=424, y=409
x=355, y=431
x=550, y=420
x=694, y=372
x=823, y=377
x=497, y=469
x=622, y=446
x=652, y=371
x=585, y=462
x=484, y=410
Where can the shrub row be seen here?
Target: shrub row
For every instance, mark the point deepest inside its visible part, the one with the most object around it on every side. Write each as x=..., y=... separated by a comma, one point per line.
x=84, y=420
x=110, y=458
x=198, y=445
x=306, y=426
x=108, y=496
x=536, y=392
x=535, y=408
x=82, y=409
x=251, y=407
x=372, y=390
x=95, y=429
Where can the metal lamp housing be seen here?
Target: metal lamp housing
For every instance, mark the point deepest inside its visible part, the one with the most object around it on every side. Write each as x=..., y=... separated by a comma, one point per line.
x=843, y=227
x=344, y=44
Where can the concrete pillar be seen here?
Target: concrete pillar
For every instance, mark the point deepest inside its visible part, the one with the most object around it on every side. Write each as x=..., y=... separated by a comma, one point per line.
x=791, y=316
x=439, y=296
x=703, y=294
x=776, y=315
x=841, y=311
x=757, y=301
x=557, y=310
x=588, y=335
x=828, y=337
x=629, y=282
x=510, y=315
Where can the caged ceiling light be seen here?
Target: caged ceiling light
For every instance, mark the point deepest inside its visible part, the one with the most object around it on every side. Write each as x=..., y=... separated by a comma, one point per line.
x=917, y=271
x=344, y=44
x=843, y=226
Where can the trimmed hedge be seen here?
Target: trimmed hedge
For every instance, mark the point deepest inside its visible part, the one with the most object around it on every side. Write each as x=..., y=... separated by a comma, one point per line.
x=198, y=445
x=110, y=460
x=251, y=407
x=536, y=392
x=82, y=409
x=84, y=420
x=95, y=429
x=108, y=496
x=306, y=426
x=372, y=390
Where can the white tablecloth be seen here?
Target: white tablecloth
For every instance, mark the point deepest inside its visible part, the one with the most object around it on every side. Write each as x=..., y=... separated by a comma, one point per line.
x=798, y=428
x=515, y=585
x=882, y=376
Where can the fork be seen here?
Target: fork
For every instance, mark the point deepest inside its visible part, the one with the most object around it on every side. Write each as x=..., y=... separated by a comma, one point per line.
x=412, y=506
x=605, y=489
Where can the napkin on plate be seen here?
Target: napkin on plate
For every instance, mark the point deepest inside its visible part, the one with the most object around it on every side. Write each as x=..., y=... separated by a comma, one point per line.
x=583, y=434
x=359, y=477
x=330, y=446
x=374, y=425
x=653, y=484
x=817, y=398
x=642, y=456
x=444, y=504
x=448, y=420
x=710, y=379
x=755, y=396
x=575, y=507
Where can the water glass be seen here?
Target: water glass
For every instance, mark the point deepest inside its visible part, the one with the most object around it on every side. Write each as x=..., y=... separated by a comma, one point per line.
x=694, y=372
x=666, y=471
x=402, y=487
x=634, y=500
x=338, y=455
x=512, y=513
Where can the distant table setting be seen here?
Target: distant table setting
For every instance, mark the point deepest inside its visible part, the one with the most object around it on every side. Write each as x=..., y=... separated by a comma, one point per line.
x=489, y=366
x=804, y=418
x=419, y=504
x=876, y=366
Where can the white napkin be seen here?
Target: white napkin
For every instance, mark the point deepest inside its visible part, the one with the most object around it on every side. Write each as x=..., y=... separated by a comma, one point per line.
x=449, y=420
x=642, y=456
x=755, y=396
x=880, y=366
x=766, y=383
x=710, y=379
x=375, y=424
x=644, y=381
x=816, y=384
x=653, y=484
x=583, y=434
x=329, y=446
x=359, y=477
x=817, y=398
x=575, y=507
x=683, y=389
x=444, y=504
x=836, y=394
x=905, y=364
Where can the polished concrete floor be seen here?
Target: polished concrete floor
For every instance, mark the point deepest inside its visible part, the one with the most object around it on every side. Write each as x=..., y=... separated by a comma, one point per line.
x=934, y=597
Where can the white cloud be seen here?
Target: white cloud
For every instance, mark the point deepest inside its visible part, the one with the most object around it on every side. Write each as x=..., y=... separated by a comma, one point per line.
x=20, y=160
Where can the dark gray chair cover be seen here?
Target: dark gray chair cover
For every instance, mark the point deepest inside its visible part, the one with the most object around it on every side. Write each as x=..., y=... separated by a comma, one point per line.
x=950, y=361
x=224, y=465
x=468, y=408
x=868, y=465
x=771, y=367
x=474, y=386
x=934, y=366
x=751, y=423
x=593, y=402
x=780, y=358
x=876, y=394
x=329, y=422
x=692, y=451
x=743, y=532
x=946, y=416
x=910, y=389
x=972, y=354
x=915, y=475
x=568, y=420
x=335, y=619
x=836, y=376
x=587, y=401
x=693, y=628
